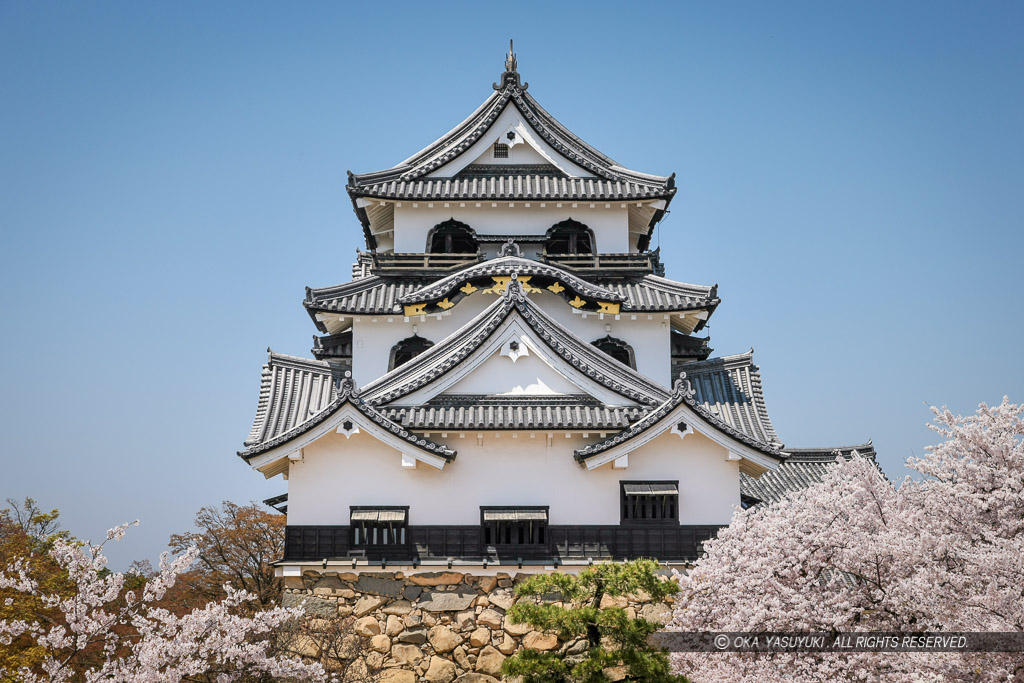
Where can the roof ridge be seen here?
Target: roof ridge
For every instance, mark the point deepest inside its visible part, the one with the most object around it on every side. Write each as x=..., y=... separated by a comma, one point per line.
x=711, y=290
x=350, y=287
x=736, y=359
x=275, y=358
x=867, y=445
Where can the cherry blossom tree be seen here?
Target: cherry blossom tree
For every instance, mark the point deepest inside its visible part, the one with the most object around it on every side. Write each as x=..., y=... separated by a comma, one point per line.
x=943, y=552
x=136, y=640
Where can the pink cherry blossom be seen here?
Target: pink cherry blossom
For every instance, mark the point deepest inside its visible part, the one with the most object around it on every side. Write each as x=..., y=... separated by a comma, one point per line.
x=144, y=643
x=943, y=552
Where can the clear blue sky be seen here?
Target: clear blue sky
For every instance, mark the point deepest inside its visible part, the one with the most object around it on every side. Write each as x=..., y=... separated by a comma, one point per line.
x=172, y=175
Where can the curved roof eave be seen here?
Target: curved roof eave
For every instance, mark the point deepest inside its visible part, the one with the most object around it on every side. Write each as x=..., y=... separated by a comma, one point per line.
x=348, y=394
x=506, y=265
x=657, y=421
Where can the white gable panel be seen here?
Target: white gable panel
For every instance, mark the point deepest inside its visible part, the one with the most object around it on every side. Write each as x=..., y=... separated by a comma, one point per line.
x=509, y=120
x=527, y=376
x=560, y=376
x=517, y=154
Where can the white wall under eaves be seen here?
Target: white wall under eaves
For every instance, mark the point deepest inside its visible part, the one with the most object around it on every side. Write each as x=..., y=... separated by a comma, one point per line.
x=508, y=468
x=413, y=224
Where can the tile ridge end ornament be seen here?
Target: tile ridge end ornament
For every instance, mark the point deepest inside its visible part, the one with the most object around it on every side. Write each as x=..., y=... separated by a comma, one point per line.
x=510, y=77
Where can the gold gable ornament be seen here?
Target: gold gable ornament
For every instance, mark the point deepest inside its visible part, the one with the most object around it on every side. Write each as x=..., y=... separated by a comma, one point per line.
x=499, y=286
x=415, y=309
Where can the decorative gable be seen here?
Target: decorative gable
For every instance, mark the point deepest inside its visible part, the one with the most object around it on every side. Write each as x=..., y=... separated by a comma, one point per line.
x=516, y=362
x=522, y=144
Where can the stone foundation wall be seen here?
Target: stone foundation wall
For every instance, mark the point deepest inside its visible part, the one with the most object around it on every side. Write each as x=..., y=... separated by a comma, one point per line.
x=435, y=627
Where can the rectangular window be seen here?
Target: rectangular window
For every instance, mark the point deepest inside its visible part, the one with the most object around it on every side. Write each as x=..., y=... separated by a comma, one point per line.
x=376, y=526
x=500, y=150
x=649, y=502
x=514, y=525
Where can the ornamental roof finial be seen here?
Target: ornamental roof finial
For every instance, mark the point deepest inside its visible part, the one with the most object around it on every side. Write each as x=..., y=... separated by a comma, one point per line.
x=511, y=76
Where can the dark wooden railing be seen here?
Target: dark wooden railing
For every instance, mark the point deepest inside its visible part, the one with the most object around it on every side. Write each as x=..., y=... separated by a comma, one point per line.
x=433, y=264
x=669, y=543
x=419, y=264
x=645, y=262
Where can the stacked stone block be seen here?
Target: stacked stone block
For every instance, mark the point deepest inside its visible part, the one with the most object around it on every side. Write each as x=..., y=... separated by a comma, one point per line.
x=432, y=627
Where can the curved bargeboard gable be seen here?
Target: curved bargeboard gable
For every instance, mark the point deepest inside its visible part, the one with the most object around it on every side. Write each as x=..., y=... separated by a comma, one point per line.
x=527, y=147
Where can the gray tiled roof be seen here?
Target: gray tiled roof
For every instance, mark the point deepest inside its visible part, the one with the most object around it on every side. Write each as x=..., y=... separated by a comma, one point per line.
x=450, y=352
x=804, y=467
x=687, y=348
x=292, y=390
x=375, y=295
x=345, y=393
x=369, y=295
x=683, y=392
x=510, y=187
x=653, y=293
x=609, y=180
x=336, y=346
x=513, y=416
x=730, y=388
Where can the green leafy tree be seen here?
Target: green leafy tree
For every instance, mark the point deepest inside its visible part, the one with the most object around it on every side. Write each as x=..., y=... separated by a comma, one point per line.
x=27, y=533
x=571, y=607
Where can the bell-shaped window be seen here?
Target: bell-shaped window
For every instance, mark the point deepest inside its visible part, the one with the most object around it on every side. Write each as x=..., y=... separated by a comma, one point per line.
x=617, y=349
x=569, y=237
x=452, y=237
x=407, y=349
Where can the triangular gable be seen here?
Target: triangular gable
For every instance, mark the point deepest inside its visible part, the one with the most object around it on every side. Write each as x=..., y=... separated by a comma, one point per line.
x=346, y=412
x=515, y=361
x=526, y=146
x=495, y=118
x=681, y=412
x=453, y=357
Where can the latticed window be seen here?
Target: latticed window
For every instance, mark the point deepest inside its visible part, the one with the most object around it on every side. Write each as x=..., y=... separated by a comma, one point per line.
x=514, y=526
x=500, y=150
x=372, y=526
x=650, y=502
x=407, y=349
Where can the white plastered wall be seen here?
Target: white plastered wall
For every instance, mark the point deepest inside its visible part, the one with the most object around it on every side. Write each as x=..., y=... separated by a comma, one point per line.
x=412, y=224
x=648, y=334
x=336, y=472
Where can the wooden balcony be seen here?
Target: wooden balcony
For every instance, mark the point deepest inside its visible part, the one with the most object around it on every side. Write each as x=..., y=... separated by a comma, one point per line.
x=668, y=543
x=422, y=264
